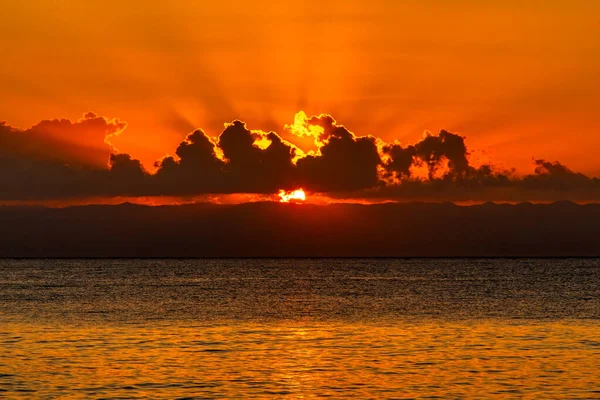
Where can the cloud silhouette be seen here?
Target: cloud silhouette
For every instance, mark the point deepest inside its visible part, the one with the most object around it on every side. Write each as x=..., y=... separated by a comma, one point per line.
x=250, y=168
x=263, y=229
x=197, y=169
x=60, y=159
x=343, y=162
x=84, y=142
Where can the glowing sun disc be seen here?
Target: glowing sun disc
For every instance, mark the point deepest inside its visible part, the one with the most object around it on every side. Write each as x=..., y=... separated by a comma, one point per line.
x=294, y=195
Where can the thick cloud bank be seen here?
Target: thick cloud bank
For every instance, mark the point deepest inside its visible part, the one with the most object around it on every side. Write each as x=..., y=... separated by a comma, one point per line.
x=288, y=230
x=60, y=159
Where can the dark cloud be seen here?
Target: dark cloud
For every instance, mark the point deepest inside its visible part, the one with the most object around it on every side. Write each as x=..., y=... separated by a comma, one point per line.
x=126, y=177
x=250, y=168
x=339, y=230
x=344, y=162
x=84, y=142
x=400, y=160
x=197, y=169
x=551, y=181
x=557, y=176
x=432, y=151
x=60, y=159
x=235, y=164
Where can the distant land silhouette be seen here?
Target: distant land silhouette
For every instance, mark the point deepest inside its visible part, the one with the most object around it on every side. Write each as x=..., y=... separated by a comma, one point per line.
x=301, y=230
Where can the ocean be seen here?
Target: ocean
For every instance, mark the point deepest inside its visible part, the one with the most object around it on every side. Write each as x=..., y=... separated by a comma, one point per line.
x=300, y=328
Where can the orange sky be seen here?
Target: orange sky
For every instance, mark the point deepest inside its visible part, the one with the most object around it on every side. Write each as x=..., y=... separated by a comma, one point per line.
x=518, y=80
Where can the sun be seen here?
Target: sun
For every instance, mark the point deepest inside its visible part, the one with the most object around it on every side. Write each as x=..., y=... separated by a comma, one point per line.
x=294, y=196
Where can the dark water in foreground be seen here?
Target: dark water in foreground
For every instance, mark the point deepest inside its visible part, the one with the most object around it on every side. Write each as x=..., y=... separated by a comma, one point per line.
x=475, y=328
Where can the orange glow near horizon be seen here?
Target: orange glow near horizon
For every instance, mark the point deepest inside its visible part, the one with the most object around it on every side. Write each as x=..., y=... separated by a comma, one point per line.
x=294, y=196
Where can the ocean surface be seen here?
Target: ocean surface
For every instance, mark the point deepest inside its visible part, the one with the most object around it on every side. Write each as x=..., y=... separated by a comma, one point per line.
x=300, y=328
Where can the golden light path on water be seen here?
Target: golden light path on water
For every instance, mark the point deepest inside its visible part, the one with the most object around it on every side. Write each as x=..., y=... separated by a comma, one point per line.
x=300, y=328
x=298, y=360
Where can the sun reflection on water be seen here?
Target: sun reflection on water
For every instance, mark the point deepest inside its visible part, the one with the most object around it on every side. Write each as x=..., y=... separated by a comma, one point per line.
x=490, y=359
